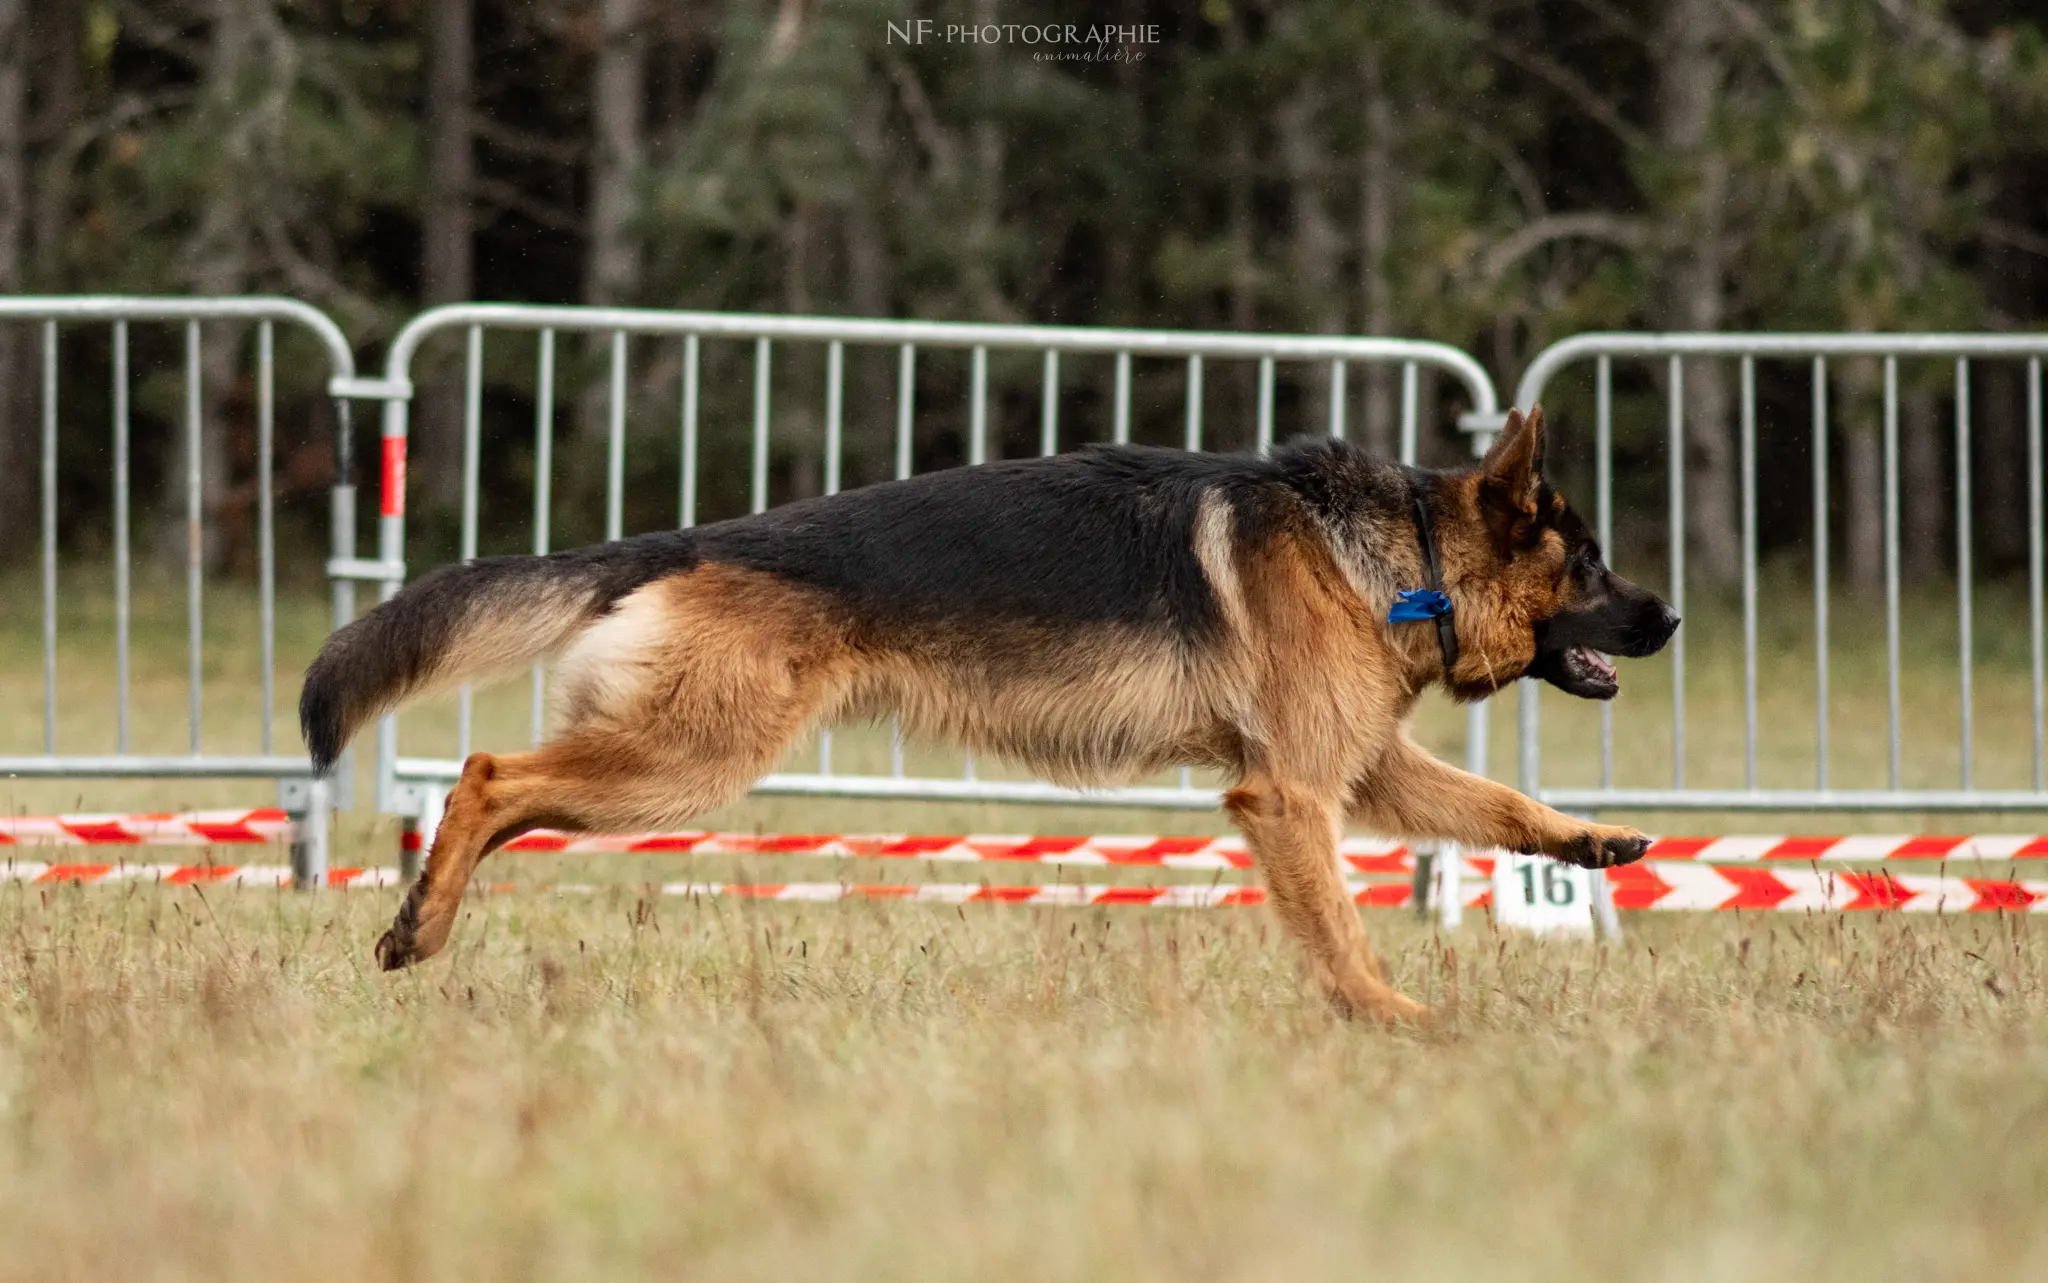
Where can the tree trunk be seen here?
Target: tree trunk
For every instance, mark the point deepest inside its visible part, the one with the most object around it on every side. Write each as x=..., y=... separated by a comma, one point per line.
x=1244, y=271
x=1998, y=457
x=611, y=260
x=1924, y=495
x=1120, y=300
x=1314, y=245
x=799, y=429
x=447, y=253
x=866, y=250
x=1239, y=388
x=1862, y=436
x=1713, y=540
x=1436, y=447
x=867, y=262
x=1863, y=502
x=1690, y=73
x=17, y=417
x=13, y=142
x=1999, y=391
x=618, y=95
x=1924, y=491
x=219, y=255
x=1376, y=185
x=55, y=32
x=447, y=249
x=984, y=284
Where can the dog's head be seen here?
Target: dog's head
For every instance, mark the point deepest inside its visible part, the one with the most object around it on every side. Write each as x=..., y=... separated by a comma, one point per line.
x=1552, y=606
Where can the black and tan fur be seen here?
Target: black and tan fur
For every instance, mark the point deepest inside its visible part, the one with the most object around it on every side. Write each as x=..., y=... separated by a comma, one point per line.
x=1096, y=617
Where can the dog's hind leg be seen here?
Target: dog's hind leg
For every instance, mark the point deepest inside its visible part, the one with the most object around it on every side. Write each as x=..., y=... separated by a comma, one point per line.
x=582, y=784
x=676, y=702
x=476, y=804
x=1293, y=834
x=1410, y=794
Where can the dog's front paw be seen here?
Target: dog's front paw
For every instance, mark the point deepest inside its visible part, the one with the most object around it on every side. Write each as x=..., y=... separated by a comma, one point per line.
x=392, y=953
x=399, y=947
x=1602, y=846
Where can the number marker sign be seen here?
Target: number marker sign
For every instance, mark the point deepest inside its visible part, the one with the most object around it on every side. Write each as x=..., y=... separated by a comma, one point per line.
x=1536, y=893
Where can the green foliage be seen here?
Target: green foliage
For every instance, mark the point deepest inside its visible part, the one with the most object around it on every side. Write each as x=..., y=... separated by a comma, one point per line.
x=267, y=144
x=237, y=162
x=1864, y=164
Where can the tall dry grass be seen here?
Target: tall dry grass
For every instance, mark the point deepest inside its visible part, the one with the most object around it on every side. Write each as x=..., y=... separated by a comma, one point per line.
x=212, y=1085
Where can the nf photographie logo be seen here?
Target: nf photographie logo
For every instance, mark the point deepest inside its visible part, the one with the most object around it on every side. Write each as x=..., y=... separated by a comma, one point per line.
x=1050, y=42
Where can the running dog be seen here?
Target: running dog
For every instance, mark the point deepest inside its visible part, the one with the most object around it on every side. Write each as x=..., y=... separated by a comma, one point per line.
x=1095, y=617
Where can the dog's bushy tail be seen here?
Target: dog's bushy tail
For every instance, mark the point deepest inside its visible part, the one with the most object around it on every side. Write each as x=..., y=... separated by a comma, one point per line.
x=463, y=623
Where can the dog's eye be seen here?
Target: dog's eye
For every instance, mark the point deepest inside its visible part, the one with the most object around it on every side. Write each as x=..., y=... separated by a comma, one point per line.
x=1585, y=567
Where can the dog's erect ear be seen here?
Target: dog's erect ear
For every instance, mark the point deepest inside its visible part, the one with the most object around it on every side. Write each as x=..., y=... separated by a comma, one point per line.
x=1511, y=474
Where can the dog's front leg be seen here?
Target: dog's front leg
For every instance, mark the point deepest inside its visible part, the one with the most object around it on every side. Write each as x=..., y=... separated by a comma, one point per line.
x=1410, y=794
x=1293, y=836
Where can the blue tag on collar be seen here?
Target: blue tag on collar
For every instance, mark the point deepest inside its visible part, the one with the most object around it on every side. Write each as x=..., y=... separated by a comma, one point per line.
x=1417, y=605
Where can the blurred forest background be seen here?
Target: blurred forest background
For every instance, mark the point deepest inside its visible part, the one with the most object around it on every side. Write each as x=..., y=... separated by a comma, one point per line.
x=1493, y=173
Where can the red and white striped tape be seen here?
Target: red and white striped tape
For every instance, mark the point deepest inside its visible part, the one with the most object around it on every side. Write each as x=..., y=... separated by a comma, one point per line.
x=243, y=875
x=1660, y=886
x=1670, y=884
x=1855, y=848
x=1365, y=855
x=1071, y=894
x=193, y=828
x=1657, y=884
x=1680, y=873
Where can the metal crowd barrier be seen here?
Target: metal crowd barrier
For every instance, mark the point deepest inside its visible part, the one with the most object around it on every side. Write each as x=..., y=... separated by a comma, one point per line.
x=308, y=802
x=415, y=785
x=1818, y=791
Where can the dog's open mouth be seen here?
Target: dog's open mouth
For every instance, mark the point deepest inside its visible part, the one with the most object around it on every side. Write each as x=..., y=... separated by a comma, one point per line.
x=1587, y=673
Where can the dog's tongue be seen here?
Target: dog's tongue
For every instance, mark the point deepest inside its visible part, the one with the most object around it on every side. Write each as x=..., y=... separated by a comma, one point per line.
x=1597, y=662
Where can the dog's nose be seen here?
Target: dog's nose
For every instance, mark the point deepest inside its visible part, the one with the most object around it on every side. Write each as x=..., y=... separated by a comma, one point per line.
x=1667, y=624
x=1653, y=627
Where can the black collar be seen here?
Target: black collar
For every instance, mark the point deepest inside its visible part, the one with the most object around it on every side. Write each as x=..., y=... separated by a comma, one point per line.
x=1446, y=623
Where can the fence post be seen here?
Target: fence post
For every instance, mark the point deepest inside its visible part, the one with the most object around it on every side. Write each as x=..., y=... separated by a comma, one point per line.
x=1450, y=885
x=391, y=552
x=1604, y=916
x=341, y=521
x=419, y=832
x=310, y=832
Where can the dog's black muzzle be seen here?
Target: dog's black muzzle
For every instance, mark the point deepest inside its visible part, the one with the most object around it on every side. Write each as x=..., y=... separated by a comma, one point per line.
x=1572, y=648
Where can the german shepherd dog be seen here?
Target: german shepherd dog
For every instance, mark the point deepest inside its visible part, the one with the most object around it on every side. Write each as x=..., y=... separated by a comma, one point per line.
x=1095, y=616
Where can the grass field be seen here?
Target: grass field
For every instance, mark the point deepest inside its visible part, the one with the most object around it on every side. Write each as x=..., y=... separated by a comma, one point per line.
x=212, y=1085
